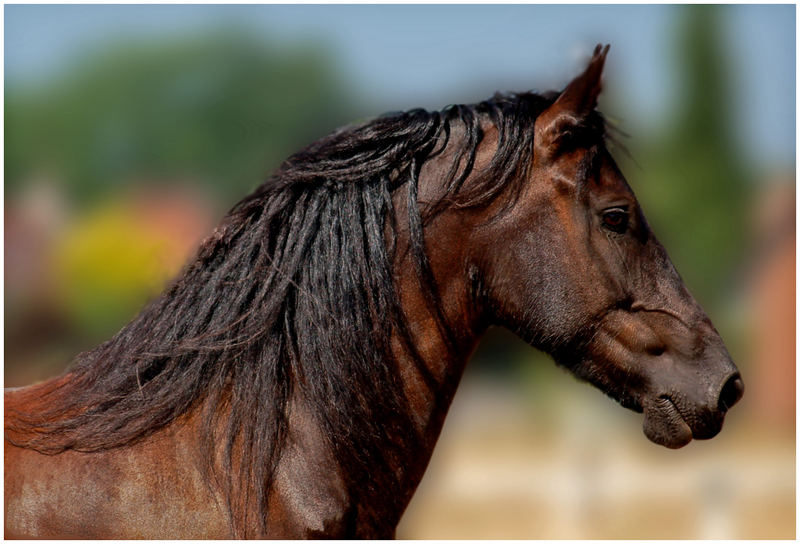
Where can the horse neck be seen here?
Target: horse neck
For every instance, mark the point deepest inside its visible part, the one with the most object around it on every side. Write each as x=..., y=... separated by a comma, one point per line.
x=444, y=333
x=446, y=325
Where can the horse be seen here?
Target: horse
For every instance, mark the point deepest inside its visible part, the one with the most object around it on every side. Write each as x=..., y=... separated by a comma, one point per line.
x=293, y=380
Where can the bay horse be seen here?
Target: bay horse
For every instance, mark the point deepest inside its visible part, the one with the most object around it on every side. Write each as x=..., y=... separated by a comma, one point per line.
x=293, y=380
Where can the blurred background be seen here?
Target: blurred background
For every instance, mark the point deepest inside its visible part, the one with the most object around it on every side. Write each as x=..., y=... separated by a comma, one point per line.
x=130, y=130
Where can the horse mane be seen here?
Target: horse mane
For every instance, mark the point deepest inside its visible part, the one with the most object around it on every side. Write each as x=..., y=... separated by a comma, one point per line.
x=292, y=296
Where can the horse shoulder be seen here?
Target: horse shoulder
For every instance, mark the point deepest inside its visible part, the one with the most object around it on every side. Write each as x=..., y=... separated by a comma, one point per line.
x=310, y=499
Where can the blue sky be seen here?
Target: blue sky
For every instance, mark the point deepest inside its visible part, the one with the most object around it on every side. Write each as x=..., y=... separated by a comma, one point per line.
x=417, y=55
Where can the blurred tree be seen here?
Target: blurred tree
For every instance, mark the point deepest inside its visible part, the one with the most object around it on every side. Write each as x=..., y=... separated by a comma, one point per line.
x=695, y=186
x=214, y=112
x=221, y=109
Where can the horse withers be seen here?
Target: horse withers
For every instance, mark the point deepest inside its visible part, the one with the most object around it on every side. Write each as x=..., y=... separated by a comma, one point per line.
x=292, y=382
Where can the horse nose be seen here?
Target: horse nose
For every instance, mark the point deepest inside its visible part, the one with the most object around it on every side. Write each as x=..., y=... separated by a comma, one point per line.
x=731, y=392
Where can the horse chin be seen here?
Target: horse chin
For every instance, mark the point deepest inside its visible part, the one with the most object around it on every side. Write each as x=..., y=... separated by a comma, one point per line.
x=664, y=425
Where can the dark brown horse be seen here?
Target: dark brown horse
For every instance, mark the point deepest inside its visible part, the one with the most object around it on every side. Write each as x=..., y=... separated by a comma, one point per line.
x=293, y=381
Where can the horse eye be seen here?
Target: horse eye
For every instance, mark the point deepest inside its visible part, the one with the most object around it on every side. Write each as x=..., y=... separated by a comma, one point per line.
x=615, y=219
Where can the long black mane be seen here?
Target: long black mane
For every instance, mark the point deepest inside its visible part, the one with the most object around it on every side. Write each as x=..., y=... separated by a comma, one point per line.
x=292, y=297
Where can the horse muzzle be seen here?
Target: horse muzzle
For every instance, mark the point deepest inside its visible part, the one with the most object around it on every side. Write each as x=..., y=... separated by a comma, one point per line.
x=673, y=419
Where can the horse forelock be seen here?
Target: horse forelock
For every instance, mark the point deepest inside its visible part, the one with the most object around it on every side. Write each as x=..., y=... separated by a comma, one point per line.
x=292, y=297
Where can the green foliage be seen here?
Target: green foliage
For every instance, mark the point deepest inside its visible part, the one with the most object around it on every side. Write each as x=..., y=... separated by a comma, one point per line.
x=222, y=109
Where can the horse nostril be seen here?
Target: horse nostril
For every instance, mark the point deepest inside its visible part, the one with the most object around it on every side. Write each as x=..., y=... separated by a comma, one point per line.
x=731, y=392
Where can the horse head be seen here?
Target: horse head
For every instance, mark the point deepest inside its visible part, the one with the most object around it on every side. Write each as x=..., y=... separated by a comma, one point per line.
x=581, y=276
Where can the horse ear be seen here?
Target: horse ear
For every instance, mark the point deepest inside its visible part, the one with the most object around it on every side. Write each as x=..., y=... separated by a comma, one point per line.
x=580, y=96
x=574, y=103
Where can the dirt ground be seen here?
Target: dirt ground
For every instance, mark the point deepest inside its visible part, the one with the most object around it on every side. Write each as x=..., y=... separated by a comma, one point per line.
x=584, y=470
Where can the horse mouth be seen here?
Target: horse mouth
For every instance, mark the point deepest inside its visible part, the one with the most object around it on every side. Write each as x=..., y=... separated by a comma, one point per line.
x=665, y=425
